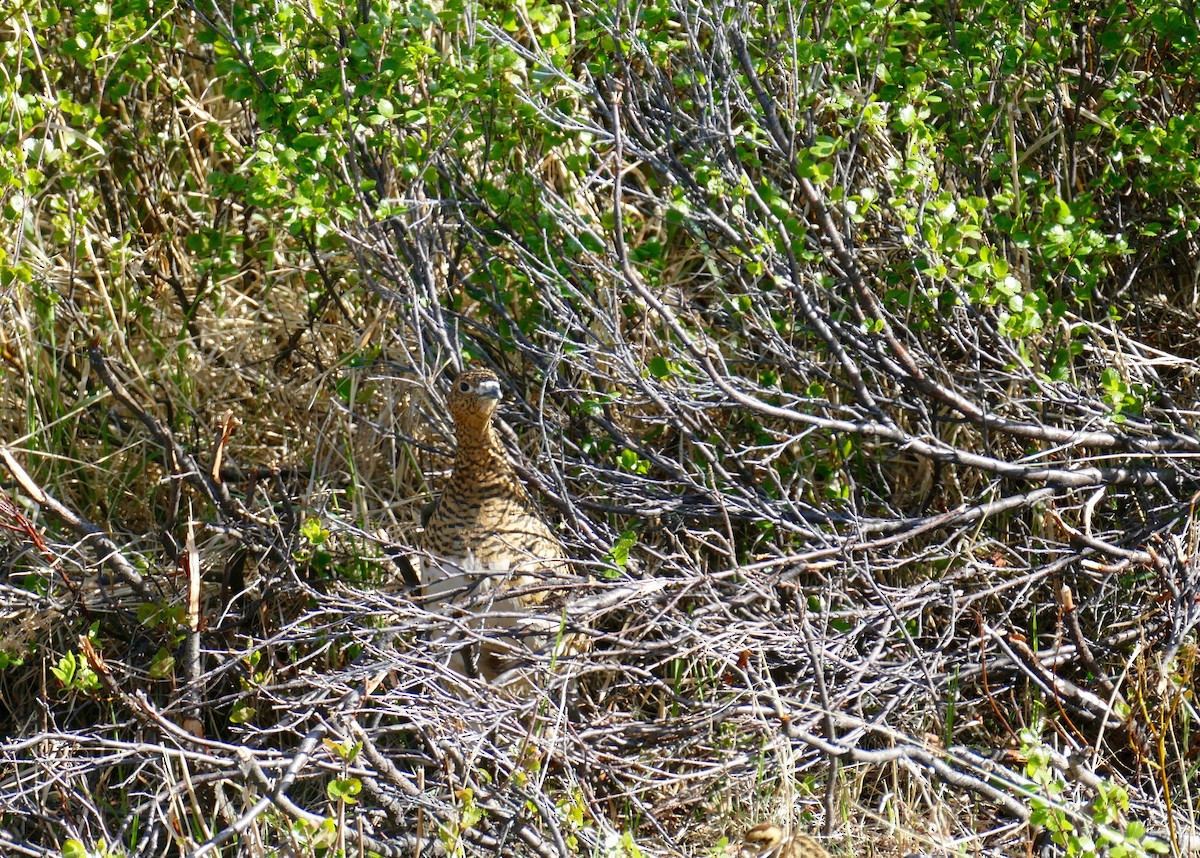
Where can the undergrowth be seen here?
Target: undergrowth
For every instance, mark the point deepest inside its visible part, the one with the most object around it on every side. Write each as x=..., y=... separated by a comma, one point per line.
x=850, y=351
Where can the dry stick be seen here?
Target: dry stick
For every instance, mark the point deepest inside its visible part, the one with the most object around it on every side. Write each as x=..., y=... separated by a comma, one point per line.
x=278, y=794
x=14, y=846
x=931, y=449
x=526, y=832
x=937, y=762
x=235, y=829
x=1065, y=691
x=179, y=460
x=13, y=519
x=1052, y=657
x=486, y=799
x=983, y=673
x=1071, y=611
x=964, y=514
x=1061, y=689
x=106, y=550
x=144, y=711
x=851, y=273
x=827, y=713
x=389, y=772
x=132, y=749
x=1080, y=538
x=182, y=463
x=1059, y=477
x=194, y=691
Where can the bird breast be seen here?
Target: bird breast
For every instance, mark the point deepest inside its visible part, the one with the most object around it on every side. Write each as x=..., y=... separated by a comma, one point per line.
x=463, y=580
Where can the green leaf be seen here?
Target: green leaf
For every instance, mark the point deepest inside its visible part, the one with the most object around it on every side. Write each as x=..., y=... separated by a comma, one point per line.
x=823, y=147
x=618, y=555
x=64, y=672
x=163, y=665
x=344, y=750
x=313, y=532
x=630, y=461
x=238, y=90
x=307, y=141
x=344, y=789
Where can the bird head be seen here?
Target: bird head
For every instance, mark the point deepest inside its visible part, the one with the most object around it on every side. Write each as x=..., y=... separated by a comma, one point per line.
x=762, y=840
x=473, y=398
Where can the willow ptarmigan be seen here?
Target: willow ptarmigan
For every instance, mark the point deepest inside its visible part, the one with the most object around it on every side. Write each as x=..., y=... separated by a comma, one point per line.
x=485, y=536
x=767, y=841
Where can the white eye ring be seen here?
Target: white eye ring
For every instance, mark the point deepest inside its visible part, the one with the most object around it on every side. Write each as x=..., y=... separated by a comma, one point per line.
x=465, y=387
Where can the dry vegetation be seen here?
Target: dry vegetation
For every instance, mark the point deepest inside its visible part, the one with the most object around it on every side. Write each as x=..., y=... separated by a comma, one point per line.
x=871, y=429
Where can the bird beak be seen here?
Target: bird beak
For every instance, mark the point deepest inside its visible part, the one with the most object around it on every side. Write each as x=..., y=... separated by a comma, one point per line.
x=488, y=389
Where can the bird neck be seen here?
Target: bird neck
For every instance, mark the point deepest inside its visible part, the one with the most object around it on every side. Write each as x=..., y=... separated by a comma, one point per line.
x=480, y=451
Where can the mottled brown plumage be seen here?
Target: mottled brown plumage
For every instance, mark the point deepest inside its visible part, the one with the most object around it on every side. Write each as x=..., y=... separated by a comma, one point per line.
x=485, y=516
x=485, y=535
x=767, y=841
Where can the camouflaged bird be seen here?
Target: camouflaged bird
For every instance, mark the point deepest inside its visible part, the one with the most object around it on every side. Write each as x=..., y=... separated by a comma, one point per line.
x=767, y=841
x=485, y=535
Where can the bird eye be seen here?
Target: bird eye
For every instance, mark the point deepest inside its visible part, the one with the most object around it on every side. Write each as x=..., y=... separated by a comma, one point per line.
x=465, y=387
